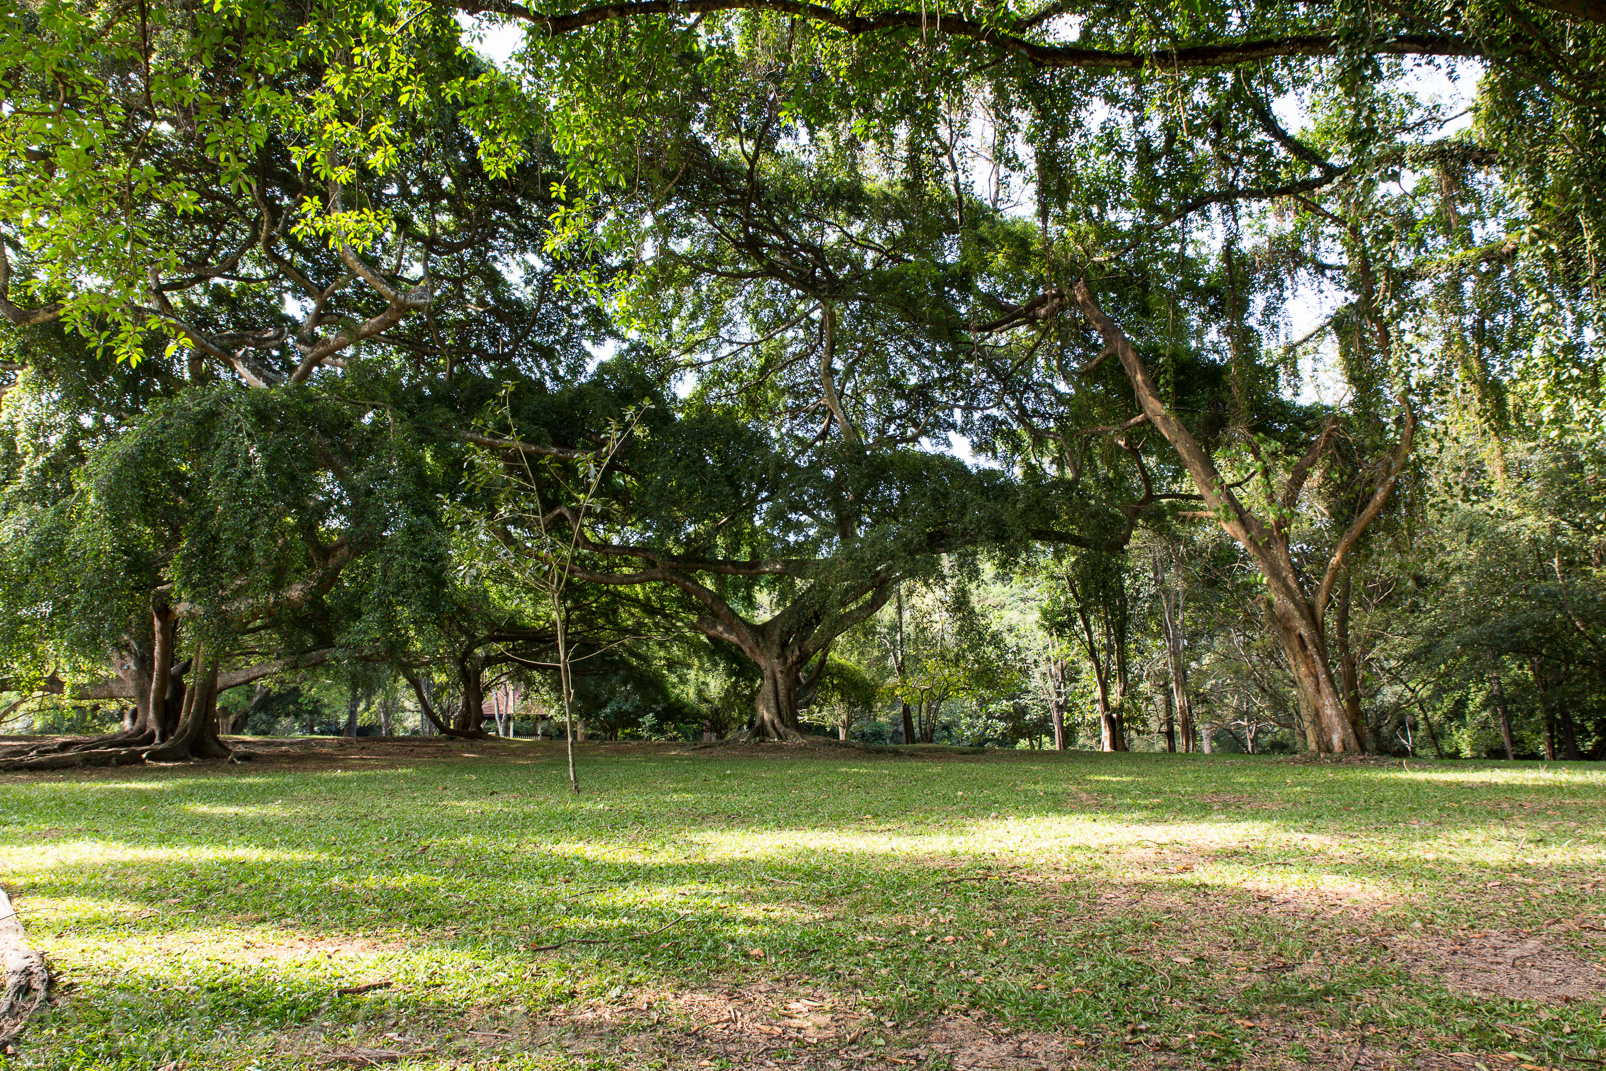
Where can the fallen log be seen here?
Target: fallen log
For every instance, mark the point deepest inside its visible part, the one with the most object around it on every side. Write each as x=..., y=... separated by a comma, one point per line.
x=27, y=979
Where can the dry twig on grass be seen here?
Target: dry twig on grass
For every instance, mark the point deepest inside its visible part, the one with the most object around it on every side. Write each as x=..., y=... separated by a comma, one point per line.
x=353, y=990
x=610, y=940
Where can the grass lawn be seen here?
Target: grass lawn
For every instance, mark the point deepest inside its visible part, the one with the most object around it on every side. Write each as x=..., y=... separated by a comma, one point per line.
x=389, y=905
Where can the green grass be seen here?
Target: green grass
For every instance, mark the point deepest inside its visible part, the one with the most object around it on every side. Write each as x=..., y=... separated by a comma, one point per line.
x=1137, y=910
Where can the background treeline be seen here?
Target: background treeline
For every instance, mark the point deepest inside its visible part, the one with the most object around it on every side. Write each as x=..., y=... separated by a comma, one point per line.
x=773, y=370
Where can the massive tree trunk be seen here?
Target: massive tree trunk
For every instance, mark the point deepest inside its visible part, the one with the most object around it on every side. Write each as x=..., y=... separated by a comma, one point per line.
x=470, y=718
x=1298, y=613
x=191, y=729
x=1305, y=645
x=195, y=734
x=775, y=708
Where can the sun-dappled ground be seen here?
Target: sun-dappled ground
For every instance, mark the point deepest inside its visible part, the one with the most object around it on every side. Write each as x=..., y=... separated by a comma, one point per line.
x=436, y=904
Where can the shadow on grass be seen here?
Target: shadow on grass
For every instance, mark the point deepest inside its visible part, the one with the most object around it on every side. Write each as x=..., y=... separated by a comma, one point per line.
x=221, y=910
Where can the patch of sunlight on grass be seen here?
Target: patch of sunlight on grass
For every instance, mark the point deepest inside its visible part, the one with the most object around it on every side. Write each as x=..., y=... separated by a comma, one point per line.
x=1516, y=774
x=126, y=786
x=81, y=909
x=225, y=926
x=58, y=855
x=240, y=810
x=1026, y=837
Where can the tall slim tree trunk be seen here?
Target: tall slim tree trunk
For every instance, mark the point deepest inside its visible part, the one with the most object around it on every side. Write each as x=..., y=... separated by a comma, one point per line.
x=1176, y=658
x=1056, y=677
x=1111, y=738
x=1349, y=667
x=1428, y=723
x=1537, y=668
x=161, y=724
x=1503, y=712
x=903, y=704
x=1168, y=720
x=350, y=730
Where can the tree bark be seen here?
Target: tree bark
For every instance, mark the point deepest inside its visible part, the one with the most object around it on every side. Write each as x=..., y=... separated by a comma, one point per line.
x=1569, y=736
x=1056, y=674
x=1167, y=719
x=470, y=717
x=1111, y=735
x=160, y=725
x=195, y=735
x=775, y=709
x=1305, y=647
x=1428, y=723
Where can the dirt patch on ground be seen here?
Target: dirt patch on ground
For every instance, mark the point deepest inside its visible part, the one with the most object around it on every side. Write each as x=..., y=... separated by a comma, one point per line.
x=257, y=948
x=1238, y=802
x=975, y=1044
x=1514, y=966
x=303, y=948
x=774, y=1026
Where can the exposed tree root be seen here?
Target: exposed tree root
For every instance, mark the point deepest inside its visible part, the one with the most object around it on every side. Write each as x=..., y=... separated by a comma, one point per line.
x=62, y=745
x=27, y=979
x=119, y=749
x=69, y=760
x=774, y=734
